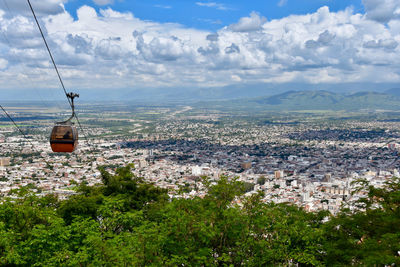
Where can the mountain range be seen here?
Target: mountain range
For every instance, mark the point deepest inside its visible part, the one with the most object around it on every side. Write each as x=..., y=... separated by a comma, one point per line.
x=236, y=97
x=321, y=100
x=317, y=100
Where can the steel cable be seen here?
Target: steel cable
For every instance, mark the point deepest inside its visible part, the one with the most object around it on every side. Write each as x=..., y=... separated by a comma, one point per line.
x=58, y=73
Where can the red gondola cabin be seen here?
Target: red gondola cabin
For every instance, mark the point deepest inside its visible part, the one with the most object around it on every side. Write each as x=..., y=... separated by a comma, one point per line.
x=64, y=138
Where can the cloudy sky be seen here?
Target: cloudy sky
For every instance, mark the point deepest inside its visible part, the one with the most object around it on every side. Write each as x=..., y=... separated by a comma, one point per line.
x=121, y=44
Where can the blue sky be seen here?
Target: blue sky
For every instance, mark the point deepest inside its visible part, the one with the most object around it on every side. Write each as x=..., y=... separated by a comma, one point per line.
x=212, y=15
x=139, y=45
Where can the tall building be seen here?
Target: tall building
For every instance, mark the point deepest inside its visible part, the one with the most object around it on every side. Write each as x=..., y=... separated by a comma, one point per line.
x=196, y=170
x=246, y=165
x=305, y=196
x=327, y=178
x=4, y=161
x=278, y=174
x=142, y=163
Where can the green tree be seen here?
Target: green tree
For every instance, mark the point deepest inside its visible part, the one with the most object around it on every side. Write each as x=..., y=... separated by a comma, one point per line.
x=128, y=222
x=261, y=180
x=370, y=234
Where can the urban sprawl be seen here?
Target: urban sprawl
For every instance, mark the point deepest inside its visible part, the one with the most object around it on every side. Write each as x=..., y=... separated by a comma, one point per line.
x=311, y=164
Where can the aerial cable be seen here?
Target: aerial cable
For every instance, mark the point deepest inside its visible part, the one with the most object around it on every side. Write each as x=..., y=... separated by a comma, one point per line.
x=55, y=67
x=48, y=50
x=15, y=124
x=20, y=61
x=23, y=134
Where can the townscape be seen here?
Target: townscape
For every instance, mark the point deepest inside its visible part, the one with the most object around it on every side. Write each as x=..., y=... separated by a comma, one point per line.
x=311, y=162
x=199, y=133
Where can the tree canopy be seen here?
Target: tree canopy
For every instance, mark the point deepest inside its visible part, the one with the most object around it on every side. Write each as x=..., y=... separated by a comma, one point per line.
x=126, y=221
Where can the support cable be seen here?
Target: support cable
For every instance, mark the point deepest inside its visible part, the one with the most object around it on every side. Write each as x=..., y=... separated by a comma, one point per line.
x=48, y=50
x=23, y=134
x=15, y=124
x=58, y=73
x=23, y=65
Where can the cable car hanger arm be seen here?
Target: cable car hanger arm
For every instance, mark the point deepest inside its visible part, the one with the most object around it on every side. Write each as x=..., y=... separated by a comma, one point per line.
x=71, y=96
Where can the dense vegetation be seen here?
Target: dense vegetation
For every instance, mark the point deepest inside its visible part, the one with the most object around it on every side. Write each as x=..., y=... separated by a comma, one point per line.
x=128, y=222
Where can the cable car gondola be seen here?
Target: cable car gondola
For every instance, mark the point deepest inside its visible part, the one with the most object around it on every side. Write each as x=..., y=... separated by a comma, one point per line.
x=64, y=136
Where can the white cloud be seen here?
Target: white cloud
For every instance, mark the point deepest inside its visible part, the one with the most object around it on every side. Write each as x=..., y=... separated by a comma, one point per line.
x=382, y=10
x=247, y=24
x=282, y=3
x=213, y=5
x=163, y=6
x=389, y=44
x=3, y=63
x=86, y=13
x=236, y=78
x=210, y=21
x=41, y=7
x=110, y=49
x=103, y=2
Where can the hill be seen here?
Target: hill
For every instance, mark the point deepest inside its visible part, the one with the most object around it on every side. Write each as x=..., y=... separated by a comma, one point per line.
x=393, y=91
x=324, y=100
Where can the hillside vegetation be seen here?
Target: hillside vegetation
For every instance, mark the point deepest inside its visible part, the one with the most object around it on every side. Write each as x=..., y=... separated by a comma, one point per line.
x=127, y=222
x=324, y=100
x=311, y=101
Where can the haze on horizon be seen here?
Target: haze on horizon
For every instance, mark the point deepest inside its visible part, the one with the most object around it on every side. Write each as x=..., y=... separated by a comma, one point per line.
x=114, y=46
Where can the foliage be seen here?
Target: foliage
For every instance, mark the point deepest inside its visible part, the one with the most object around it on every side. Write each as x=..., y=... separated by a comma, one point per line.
x=261, y=180
x=126, y=221
x=370, y=235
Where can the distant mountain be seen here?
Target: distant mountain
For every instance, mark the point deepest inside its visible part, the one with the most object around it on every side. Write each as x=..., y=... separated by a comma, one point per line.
x=324, y=100
x=236, y=91
x=202, y=94
x=393, y=91
x=303, y=99
x=195, y=93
